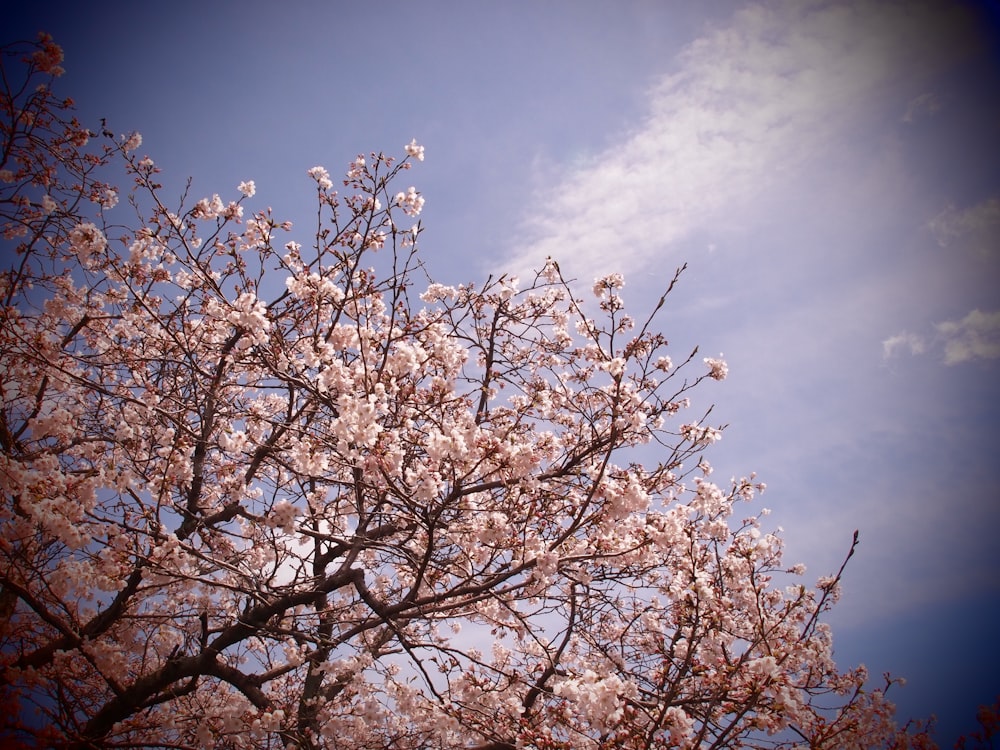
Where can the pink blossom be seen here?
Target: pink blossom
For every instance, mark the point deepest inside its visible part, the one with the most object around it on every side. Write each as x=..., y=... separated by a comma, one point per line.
x=258, y=491
x=322, y=177
x=411, y=201
x=108, y=198
x=132, y=142
x=700, y=434
x=87, y=241
x=604, y=284
x=250, y=314
x=48, y=56
x=414, y=150
x=356, y=169
x=717, y=368
x=283, y=516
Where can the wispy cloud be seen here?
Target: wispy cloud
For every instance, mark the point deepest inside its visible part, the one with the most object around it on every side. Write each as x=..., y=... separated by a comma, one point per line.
x=976, y=228
x=971, y=237
x=921, y=106
x=974, y=337
x=905, y=340
x=746, y=107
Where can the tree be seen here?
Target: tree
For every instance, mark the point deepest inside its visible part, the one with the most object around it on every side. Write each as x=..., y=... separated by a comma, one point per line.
x=988, y=717
x=257, y=495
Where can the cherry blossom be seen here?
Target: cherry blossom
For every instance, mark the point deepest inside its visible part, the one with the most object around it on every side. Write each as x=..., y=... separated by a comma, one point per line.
x=414, y=150
x=717, y=368
x=411, y=201
x=132, y=142
x=322, y=177
x=267, y=490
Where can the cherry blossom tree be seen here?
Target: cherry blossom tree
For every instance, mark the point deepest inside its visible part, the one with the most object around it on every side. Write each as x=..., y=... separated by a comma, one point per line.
x=988, y=718
x=261, y=494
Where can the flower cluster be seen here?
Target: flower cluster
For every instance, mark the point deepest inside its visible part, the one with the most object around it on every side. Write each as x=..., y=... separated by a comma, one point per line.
x=48, y=56
x=606, y=284
x=411, y=201
x=700, y=434
x=322, y=178
x=356, y=170
x=414, y=150
x=249, y=314
x=87, y=241
x=132, y=142
x=717, y=368
x=282, y=517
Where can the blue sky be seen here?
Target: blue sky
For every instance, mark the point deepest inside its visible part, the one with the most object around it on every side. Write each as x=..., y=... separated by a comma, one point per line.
x=829, y=171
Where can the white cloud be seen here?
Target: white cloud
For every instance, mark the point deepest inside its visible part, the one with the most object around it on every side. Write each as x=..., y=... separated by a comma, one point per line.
x=976, y=228
x=903, y=340
x=976, y=336
x=748, y=106
x=922, y=106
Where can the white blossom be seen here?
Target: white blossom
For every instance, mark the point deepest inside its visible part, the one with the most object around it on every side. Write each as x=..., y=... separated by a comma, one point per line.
x=87, y=241
x=717, y=368
x=132, y=142
x=415, y=150
x=322, y=177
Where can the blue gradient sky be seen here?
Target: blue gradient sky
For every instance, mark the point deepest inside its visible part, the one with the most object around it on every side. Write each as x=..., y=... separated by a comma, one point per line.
x=830, y=172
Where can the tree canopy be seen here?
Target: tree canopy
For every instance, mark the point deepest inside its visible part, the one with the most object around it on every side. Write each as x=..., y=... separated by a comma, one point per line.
x=264, y=494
